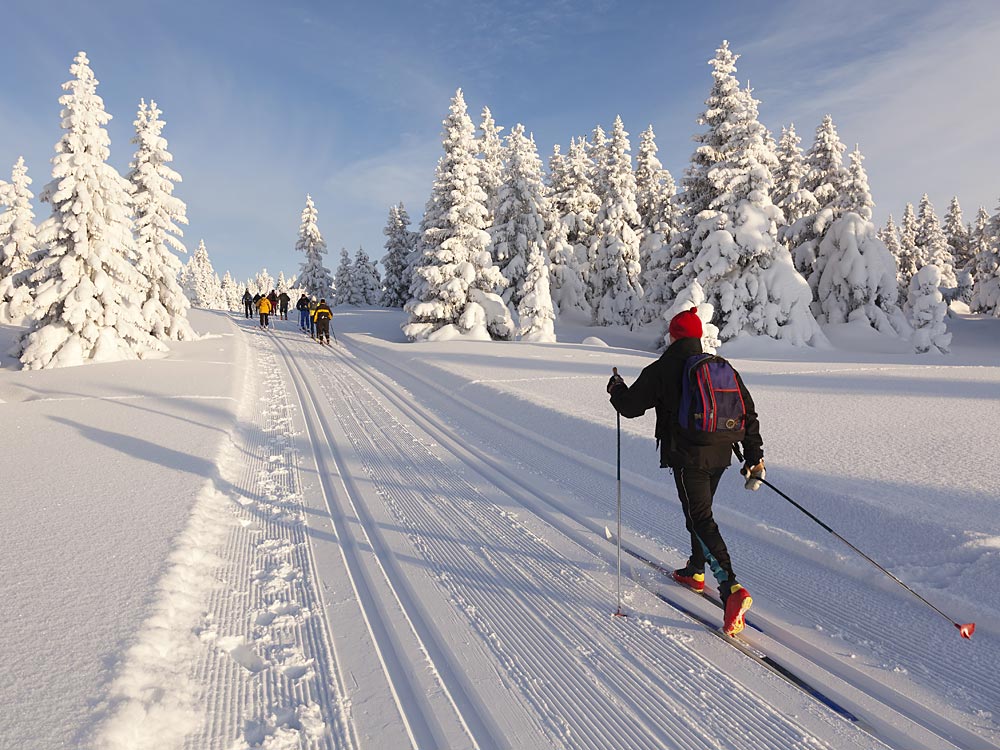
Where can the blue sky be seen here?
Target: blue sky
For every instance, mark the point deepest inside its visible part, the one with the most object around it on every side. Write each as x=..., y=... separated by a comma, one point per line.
x=267, y=101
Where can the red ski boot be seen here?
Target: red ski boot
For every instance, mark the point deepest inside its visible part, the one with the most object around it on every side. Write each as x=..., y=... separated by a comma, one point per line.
x=690, y=577
x=737, y=602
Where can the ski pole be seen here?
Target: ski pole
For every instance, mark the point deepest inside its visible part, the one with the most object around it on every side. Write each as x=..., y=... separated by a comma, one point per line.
x=965, y=629
x=618, y=612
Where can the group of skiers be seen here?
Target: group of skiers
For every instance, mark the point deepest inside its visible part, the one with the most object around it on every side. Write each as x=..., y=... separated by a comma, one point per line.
x=703, y=411
x=314, y=315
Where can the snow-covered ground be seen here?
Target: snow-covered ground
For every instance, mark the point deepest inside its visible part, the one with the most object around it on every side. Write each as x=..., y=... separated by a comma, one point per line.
x=259, y=542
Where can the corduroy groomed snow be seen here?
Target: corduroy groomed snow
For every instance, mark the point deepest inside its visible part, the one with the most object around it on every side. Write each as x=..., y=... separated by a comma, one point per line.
x=686, y=325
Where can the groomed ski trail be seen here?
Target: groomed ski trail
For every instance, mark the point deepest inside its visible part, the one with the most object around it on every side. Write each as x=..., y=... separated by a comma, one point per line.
x=512, y=612
x=570, y=478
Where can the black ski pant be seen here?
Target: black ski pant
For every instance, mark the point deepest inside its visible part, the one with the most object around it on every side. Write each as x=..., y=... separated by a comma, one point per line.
x=323, y=330
x=264, y=323
x=696, y=489
x=248, y=309
x=284, y=312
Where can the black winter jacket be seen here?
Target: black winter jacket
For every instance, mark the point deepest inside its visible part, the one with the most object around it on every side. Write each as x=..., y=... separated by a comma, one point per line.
x=659, y=387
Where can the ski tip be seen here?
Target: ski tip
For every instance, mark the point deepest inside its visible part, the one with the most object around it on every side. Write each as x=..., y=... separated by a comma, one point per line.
x=967, y=629
x=607, y=533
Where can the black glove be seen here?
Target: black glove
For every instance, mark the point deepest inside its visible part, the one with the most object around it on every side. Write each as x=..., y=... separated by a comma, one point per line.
x=615, y=382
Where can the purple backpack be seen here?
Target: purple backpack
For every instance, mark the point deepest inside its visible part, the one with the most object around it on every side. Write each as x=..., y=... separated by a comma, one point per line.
x=711, y=410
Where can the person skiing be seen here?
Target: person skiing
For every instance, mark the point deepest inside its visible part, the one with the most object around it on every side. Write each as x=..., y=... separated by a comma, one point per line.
x=323, y=315
x=283, y=300
x=303, y=307
x=313, y=304
x=248, y=304
x=272, y=297
x=697, y=467
x=264, y=307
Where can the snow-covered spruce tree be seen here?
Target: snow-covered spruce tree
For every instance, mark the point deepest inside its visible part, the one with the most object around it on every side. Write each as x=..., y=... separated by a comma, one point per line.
x=535, y=314
x=746, y=273
x=400, y=244
x=596, y=150
x=825, y=180
x=157, y=212
x=87, y=291
x=573, y=199
x=366, y=284
x=204, y=286
x=934, y=248
x=281, y=283
x=232, y=295
x=957, y=234
x=795, y=201
x=314, y=277
x=491, y=168
x=519, y=226
x=658, y=229
x=926, y=311
x=986, y=243
x=854, y=277
x=455, y=279
x=615, y=275
x=344, y=281
x=265, y=281
x=18, y=245
x=910, y=258
x=565, y=278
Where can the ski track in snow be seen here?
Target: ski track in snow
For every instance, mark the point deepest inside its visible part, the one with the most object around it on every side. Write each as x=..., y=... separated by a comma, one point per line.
x=580, y=677
x=966, y=682
x=233, y=656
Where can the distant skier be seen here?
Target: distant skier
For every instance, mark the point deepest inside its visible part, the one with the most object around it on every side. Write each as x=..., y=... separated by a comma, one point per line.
x=698, y=461
x=264, y=307
x=303, y=307
x=248, y=304
x=283, y=300
x=322, y=316
x=313, y=304
x=272, y=297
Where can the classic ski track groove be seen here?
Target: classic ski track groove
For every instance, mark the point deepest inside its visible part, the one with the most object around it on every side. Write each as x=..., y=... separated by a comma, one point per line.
x=249, y=705
x=651, y=663
x=423, y=720
x=946, y=729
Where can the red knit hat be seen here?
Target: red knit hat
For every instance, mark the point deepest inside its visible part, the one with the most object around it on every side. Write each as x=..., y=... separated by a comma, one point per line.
x=686, y=325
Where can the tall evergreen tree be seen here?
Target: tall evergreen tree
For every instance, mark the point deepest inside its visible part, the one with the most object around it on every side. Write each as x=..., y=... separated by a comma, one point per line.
x=855, y=195
x=491, y=150
x=826, y=180
x=746, y=273
x=456, y=280
x=157, y=213
x=957, y=234
x=231, y=294
x=519, y=229
x=265, y=281
x=366, y=285
x=986, y=242
x=565, y=277
x=18, y=245
x=400, y=244
x=659, y=226
x=795, y=201
x=574, y=200
x=934, y=247
x=314, y=277
x=87, y=290
x=204, y=288
x=910, y=259
x=345, y=293
x=617, y=292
